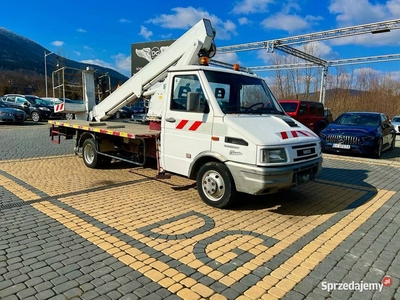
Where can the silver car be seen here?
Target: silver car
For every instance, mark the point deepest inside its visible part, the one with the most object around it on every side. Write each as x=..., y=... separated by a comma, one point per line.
x=396, y=123
x=11, y=115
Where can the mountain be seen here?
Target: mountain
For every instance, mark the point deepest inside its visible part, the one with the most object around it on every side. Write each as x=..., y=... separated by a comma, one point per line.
x=18, y=53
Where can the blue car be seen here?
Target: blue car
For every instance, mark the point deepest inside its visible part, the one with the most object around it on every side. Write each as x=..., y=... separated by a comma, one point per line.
x=365, y=133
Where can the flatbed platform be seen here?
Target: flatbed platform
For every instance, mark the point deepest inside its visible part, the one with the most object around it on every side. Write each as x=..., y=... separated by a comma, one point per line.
x=123, y=129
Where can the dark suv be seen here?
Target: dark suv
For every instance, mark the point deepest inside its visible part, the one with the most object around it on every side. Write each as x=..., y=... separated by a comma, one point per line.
x=35, y=108
x=309, y=113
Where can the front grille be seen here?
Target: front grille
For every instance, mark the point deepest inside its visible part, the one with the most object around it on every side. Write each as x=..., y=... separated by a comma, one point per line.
x=305, y=152
x=343, y=139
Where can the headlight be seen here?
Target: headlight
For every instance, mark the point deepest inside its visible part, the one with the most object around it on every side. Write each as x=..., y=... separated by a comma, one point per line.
x=273, y=155
x=5, y=114
x=368, y=138
x=44, y=108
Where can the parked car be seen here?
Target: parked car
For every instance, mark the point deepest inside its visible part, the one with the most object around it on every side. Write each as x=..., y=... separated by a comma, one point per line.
x=396, y=123
x=328, y=115
x=366, y=133
x=11, y=115
x=139, y=111
x=309, y=113
x=123, y=113
x=36, y=108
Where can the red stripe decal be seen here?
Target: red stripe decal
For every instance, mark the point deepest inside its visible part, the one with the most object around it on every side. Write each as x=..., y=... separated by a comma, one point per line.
x=284, y=135
x=305, y=133
x=294, y=133
x=182, y=124
x=195, y=125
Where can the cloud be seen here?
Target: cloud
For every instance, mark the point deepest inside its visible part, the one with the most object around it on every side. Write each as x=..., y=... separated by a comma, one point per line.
x=97, y=62
x=58, y=43
x=246, y=7
x=87, y=48
x=357, y=12
x=123, y=63
x=81, y=30
x=289, y=23
x=244, y=21
x=77, y=53
x=230, y=58
x=350, y=12
x=186, y=17
x=124, y=21
x=145, y=32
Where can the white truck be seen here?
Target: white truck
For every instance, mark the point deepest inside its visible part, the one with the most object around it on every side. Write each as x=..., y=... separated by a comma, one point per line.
x=220, y=127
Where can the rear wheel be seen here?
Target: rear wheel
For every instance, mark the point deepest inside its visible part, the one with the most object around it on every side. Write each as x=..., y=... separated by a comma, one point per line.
x=90, y=155
x=215, y=185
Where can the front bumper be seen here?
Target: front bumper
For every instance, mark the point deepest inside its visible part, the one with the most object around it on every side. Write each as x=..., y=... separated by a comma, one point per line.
x=13, y=118
x=267, y=180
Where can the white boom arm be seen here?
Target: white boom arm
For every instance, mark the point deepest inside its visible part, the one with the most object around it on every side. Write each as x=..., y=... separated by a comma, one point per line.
x=184, y=51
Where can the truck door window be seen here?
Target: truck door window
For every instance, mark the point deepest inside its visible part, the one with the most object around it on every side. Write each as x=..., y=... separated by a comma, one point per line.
x=183, y=85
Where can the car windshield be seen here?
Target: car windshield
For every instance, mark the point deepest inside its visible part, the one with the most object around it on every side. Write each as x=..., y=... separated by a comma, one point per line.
x=37, y=101
x=358, y=119
x=238, y=94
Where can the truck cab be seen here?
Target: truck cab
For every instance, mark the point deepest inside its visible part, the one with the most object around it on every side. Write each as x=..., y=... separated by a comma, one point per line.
x=220, y=123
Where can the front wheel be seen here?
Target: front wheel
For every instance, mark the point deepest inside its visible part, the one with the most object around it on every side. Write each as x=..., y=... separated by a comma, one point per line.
x=379, y=149
x=393, y=144
x=35, y=116
x=215, y=185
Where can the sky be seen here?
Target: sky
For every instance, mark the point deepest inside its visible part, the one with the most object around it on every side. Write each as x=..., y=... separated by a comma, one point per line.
x=101, y=32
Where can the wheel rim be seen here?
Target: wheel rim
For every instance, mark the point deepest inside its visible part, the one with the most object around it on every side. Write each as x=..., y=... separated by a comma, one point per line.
x=117, y=115
x=69, y=116
x=88, y=153
x=213, y=185
x=35, y=117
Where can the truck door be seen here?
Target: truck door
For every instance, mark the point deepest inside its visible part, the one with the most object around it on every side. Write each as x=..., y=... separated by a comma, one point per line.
x=186, y=131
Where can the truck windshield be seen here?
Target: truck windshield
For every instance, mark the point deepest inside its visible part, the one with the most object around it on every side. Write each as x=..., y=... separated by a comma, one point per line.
x=238, y=94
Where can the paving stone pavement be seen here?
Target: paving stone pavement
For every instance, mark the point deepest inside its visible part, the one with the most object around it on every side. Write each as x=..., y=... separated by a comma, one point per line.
x=69, y=232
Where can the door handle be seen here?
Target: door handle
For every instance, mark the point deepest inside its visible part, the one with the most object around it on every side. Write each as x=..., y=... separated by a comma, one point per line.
x=171, y=120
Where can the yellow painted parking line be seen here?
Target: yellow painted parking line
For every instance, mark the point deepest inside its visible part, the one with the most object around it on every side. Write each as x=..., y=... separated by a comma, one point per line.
x=18, y=190
x=369, y=161
x=133, y=257
x=303, y=262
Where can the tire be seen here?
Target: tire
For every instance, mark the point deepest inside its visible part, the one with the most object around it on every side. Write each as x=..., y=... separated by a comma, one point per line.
x=379, y=149
x=215, y=185
x=393, y=144
x=89, y=154
x=69, y=116
x=117, y=115
x=35, y=116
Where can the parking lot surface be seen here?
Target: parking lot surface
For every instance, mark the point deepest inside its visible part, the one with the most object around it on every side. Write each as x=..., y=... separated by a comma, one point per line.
x=70, y=232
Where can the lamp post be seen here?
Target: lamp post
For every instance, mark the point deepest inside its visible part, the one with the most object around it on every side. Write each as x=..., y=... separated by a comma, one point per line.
x=45, y=69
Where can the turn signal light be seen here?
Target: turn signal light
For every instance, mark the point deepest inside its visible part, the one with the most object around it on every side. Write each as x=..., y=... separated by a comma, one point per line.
x=236, y=67
x=204, y=61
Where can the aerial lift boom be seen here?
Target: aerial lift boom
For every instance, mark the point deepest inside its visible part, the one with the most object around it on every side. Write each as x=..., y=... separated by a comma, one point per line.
x=198, y=41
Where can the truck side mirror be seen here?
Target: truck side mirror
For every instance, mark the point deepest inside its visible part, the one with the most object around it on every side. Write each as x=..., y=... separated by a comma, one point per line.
x=193, y=102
